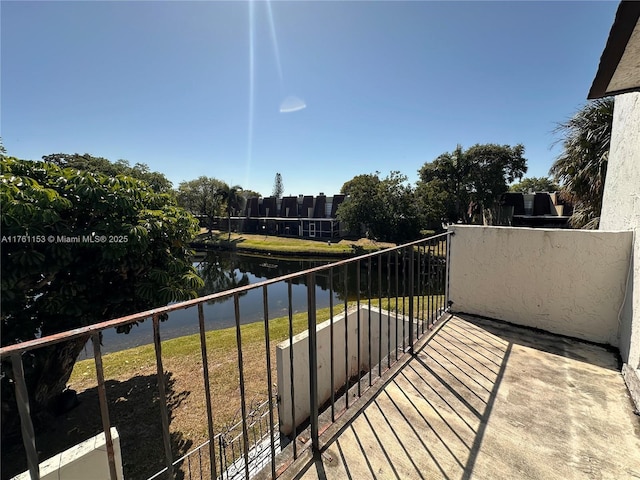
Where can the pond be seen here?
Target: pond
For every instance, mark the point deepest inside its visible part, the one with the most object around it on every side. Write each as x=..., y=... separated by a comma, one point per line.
x=225, y=270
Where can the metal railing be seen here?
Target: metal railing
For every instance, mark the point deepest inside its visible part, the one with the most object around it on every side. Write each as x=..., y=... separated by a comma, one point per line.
x=409, y=283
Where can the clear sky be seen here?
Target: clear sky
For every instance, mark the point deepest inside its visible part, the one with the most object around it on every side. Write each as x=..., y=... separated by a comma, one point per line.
x=197, y=88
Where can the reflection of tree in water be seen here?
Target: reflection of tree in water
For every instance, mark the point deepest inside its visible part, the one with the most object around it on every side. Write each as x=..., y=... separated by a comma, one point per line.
x=224, y=270
x=220, y=273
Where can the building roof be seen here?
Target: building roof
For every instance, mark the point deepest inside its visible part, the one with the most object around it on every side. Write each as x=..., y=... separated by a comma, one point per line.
x=619, y=69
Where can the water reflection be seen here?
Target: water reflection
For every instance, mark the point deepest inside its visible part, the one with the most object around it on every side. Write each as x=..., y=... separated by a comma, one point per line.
x=222, y=271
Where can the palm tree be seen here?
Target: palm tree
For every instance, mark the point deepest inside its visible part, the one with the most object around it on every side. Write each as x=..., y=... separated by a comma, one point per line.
x=232, y=196
x=581, y=168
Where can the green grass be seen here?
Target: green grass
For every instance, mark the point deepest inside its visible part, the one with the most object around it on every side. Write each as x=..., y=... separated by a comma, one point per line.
x=288, y=246
x=220, y=342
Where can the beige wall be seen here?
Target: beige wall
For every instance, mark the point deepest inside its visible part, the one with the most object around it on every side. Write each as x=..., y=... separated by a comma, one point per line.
x=87, y=460
x=621, y=209
x=569, y=282
x=301, y=358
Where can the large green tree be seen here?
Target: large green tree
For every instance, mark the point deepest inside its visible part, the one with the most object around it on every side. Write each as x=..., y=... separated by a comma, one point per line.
x=384, y=207
x=202, y=197
x=466, y=185
x=89, y=163
x=79, y=248
x=581, y=168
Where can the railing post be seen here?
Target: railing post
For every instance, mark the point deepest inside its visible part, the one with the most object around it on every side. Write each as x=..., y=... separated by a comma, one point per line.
x=447, y=271
x=162, y=391
x=411, y=280
x=207, y=392
x=313, y=360
x=104, y=409
x=22, y=399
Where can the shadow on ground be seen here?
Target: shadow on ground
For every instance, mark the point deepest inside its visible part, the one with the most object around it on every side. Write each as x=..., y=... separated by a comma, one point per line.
x=134, y=409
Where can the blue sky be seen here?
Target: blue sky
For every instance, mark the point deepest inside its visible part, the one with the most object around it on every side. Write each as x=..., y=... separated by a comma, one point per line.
x=195, y=88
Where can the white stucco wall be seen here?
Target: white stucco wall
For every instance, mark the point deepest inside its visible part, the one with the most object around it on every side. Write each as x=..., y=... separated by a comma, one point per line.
x=87, y=460
x=301, y=358
x=621, y=211
x=569, y=282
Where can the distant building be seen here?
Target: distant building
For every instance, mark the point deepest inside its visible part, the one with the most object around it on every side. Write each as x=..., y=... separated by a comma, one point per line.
x=540, y=209
x=303, y=216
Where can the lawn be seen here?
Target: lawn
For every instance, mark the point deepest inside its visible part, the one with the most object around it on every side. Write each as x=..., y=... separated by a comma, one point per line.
x=287, y=246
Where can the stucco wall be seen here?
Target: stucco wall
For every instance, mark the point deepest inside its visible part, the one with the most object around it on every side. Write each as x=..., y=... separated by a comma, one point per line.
x=87, y=460
x=379, y=321
x=569, y=282
x=621, y=211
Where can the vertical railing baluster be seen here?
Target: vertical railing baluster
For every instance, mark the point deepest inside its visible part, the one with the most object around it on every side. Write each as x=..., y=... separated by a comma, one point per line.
x=447, y=253
x=26, y=426
x=379, y=259
x=404, y=307
x=369, y=316
x=293, y=391
x=207, y=391
x=419, y=294
x=430, y=285
x=313, y=360
x=397, y=295
x=411, y=286
x=424, y=286
x=104, y=409
x=389, y=310
x=359, y=336
x=164, y=410
x=222, y=451
x=347, y=370
x=243, y=402
x=331, y=347
x=267, y=340
x=440, y=278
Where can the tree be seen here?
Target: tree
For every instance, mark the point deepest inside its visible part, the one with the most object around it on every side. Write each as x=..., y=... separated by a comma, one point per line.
x=385, y=208
x=581, y=168
x=220, y=273
x=201, y=197
x=89, y=163
x=535, y=184
x=232, y=197
x=246, y=194
x=278, y=187
x=443, y=190
x=92, y=247
x=468, y=184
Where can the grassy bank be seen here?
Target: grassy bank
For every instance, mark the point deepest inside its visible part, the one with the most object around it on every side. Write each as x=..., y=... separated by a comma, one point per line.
x=273, y=245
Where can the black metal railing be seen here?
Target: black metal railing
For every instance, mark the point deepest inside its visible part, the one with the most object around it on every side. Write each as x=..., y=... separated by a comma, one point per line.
x=399, y=294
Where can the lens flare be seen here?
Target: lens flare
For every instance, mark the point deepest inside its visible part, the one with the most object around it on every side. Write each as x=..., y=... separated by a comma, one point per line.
x=292, y=104
x=251, y=93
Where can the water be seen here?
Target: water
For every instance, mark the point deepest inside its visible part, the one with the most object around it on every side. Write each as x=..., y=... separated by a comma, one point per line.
x=222, y=271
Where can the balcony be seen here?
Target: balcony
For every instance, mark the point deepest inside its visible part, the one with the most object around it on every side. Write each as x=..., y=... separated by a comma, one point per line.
x=489, y=400
x=483, y=352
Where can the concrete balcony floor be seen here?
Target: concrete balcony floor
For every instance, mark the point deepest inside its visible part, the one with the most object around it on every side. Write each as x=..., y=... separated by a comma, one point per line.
x=487, y=400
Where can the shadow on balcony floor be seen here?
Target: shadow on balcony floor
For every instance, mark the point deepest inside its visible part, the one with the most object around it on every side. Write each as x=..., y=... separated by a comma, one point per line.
x=488, y=400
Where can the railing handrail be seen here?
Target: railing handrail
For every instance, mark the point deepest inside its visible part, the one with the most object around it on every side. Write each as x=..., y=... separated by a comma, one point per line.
x=120, y=321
